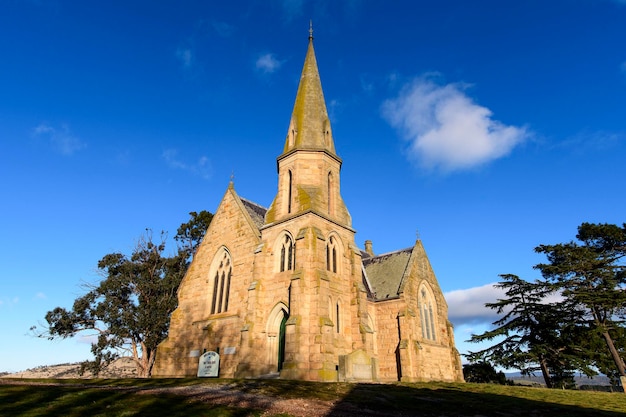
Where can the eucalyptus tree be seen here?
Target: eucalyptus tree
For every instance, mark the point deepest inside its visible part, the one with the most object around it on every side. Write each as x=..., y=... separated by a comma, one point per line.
x=128, y=311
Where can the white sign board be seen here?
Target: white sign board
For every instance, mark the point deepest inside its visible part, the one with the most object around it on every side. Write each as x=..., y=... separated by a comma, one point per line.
x=209, y=365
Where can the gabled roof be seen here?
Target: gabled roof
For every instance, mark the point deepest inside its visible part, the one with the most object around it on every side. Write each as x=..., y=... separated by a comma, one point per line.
x=256, y=211
x=385, y=273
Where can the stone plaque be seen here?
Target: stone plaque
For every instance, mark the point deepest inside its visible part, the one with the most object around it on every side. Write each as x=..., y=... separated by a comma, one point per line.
x=230, y=350
x=209, y=365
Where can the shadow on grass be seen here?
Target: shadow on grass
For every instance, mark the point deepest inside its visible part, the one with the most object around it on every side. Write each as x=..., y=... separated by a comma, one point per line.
x=70, y=401
x=439, y=400
x=239, y=398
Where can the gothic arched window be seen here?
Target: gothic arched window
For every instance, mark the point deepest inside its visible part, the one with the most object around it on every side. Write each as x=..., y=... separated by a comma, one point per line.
x=222, y=272
x=332, y=254
x=426, y=307
x=338, y=318
x=287, y=254
x=290, y=191
x=330, y=192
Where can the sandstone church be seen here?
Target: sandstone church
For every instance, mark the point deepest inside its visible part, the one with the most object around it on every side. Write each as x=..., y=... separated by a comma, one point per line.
x=285, y=290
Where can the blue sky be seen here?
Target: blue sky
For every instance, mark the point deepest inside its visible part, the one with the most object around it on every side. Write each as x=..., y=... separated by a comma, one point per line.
x=486, y=127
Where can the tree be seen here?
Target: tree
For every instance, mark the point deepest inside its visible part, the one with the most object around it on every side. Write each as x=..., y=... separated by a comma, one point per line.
x=592, y=276
x=129, y=310
x=483, y=372
x=534, y=333
x=190, y=234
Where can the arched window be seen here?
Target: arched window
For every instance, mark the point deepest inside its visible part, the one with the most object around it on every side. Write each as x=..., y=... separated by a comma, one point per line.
x=426, y=307
x=221, y=281
x=287, y=254
x=332, y=253
x=337, y=317
x=330, y=192
x=289, y=192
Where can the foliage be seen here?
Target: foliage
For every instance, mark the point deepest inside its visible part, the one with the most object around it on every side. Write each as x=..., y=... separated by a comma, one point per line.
x=591, y=275
x=558, y=324
x=190, y=234
x=483, y=372
x=533, y=333
x=129, y=310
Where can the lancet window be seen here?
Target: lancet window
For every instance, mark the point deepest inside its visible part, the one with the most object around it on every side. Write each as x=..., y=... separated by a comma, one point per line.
x=330, y=192
x=289, y=191
x=426, y=307
x=338, y=317
x=221, y=282
x=287, y=254
x=332, y=250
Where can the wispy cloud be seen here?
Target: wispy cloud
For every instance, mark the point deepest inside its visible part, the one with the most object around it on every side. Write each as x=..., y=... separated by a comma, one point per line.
x=592, y=141
x=292, y=8
x=468, y=305
x=223, y=29
x=61, y=138
x=202, y=167
x=9, y=302
x=446, y=129
x=185, y=56
x=268, y=64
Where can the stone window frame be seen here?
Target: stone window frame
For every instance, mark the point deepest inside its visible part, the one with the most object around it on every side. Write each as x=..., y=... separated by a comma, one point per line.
x=338, y=319
x=285, y=248
x=334, y=253
x=220, y=277
x=427, y=307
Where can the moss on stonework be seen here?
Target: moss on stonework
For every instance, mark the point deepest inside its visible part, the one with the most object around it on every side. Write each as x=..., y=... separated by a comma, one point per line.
x=328, y=375
x=304, y=199
x=325, y=321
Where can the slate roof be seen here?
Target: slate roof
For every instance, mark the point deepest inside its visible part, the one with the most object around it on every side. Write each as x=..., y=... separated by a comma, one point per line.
x=385, y=272
x=256, y=211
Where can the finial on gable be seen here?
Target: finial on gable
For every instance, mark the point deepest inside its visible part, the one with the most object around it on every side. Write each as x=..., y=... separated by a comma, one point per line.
x=231, y=184
x=311, y=29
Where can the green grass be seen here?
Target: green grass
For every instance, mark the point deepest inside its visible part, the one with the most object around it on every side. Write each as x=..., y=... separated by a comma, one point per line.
x=123, y=397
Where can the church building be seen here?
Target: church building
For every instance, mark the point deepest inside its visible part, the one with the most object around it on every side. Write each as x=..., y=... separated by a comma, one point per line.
x=285, y=291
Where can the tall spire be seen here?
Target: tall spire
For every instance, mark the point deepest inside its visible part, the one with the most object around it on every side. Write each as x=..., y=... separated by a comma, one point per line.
x=310, y=126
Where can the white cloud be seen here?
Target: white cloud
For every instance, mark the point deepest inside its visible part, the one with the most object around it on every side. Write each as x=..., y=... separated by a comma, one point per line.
x=61, y=139
x=468, y=306
x=268, y=63
x=446, y=129
x=40, y=296
x=185, y=56
x=202, y=167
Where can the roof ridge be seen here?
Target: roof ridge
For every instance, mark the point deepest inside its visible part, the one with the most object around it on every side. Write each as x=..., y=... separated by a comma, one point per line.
x=410, y=248
x=252, y=202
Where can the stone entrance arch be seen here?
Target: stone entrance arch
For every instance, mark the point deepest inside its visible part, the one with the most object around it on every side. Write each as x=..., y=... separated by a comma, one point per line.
x=275, y=330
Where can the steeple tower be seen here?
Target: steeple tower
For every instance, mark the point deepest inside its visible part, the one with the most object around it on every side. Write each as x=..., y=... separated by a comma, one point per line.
x=308, y=168
x=310, y=126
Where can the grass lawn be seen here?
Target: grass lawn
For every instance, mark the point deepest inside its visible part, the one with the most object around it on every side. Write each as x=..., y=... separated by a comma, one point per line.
x=124, y=397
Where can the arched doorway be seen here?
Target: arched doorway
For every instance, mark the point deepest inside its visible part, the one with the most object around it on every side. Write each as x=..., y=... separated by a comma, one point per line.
x=276, y=325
